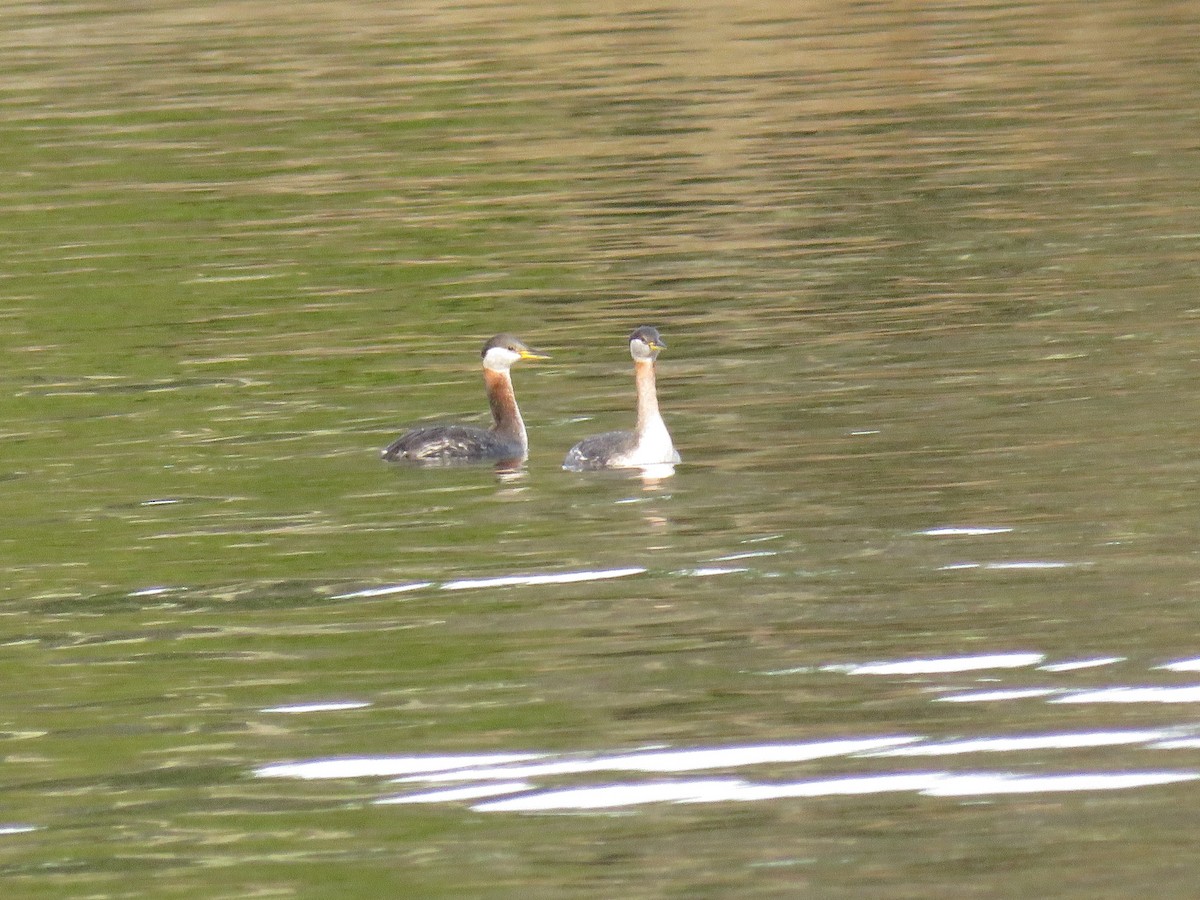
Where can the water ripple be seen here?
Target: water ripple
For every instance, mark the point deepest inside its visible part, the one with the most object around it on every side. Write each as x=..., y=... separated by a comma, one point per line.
x=514, y=777
x=364, y=766
x=681, y=760
x=463, y=584
x=967, y=530
x=552, y=578
x=384, y=591
x=929, y=784
x=994, y=696
x=336, y=706
x=1189, y=693
x=939, y=666
x=1072, y=665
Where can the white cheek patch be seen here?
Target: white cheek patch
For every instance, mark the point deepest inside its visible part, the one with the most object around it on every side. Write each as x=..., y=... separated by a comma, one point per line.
x=500, y=359
x=639, y=350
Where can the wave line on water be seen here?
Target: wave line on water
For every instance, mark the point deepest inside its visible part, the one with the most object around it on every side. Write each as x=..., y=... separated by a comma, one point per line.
x=384, y=591
x=681, y=760
x=1181, y=665
x=994, y=696
x=453, y=795
x=1072, y=665
x=333, y=706
x=386, y=766
x=939, y=665
x=1187, y=693
x=928, y=784
x=1064, y=741
x=1034, y=565
x=965, y=530
x=514, y=782
x=463, y=584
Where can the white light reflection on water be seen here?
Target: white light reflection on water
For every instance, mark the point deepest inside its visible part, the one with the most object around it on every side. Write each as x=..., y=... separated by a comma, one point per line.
x=1072, y=665
x=154, y=591
x=512, y=778
x=387, y=766
x=1183, y=694
x=614, y=795
x=929, y=784
x=454, y=795
x=1002, y=783
x=463, y=584
x=1182, y=665
x=1065, y=741
x=651, y=475
x=966, y=530
x=677, y=760
x=1178, y=743
x=517, y=782
x=939, y=666
x=995, y=696
x=1016, y=565
x=552, y=578
x=384, y=591
x=336, y=706
x=537, y=578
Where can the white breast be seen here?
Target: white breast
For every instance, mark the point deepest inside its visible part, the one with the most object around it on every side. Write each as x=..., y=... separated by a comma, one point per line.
x=653, y=448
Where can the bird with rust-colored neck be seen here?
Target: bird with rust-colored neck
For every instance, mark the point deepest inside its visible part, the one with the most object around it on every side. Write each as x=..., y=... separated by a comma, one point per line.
x=650, y=443
x=505, y=440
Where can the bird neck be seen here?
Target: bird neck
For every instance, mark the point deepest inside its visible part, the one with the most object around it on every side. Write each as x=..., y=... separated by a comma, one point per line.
x=506, y=417
x=648, y=417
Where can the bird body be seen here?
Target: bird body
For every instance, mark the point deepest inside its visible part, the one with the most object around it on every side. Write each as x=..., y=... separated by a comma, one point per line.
x=436, y=443
x=505, y=440
x=650, y=443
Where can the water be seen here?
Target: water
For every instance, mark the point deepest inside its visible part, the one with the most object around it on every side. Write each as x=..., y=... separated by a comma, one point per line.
x=916, y=616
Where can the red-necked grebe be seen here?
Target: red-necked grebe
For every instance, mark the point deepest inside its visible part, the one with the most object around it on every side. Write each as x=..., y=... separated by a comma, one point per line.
x=650, y=444
x=506, y=439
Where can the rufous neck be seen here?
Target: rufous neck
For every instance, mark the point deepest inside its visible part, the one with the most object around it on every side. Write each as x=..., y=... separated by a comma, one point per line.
x=506, y=417
x=647, y=395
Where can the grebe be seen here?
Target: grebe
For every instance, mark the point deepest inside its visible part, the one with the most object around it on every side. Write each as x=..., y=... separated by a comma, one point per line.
x=650, y=444
x=506, y=439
